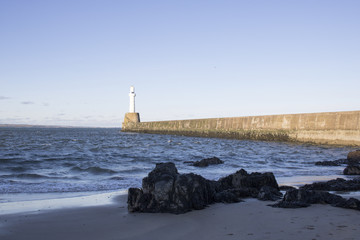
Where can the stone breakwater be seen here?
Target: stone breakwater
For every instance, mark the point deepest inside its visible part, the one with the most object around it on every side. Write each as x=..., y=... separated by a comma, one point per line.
x=342, y=128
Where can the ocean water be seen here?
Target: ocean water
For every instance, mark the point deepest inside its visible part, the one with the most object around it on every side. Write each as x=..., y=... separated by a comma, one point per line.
x=89, y=160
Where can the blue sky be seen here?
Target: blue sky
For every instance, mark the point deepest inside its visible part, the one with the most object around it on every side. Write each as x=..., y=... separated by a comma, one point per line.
x=73, y=62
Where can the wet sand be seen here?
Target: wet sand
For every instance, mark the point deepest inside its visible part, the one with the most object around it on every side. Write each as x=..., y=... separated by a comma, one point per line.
x=251, y=219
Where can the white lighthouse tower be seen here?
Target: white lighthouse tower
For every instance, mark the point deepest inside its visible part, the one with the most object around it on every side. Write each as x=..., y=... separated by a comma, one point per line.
x=132, y=99
x=131, y=117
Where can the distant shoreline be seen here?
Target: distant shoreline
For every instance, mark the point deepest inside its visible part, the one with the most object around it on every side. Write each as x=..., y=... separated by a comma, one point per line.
x=44, y=126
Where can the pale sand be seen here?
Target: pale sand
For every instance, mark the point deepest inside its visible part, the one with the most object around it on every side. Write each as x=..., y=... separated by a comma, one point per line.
x=251, y=219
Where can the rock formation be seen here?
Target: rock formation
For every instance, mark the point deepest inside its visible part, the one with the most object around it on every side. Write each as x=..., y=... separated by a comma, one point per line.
x=241, y=179
x=353, y=158
x=352, y=161
x=354, y=155
x=338, y=184
x=332, y=163
x=206, y=162
x=165, y=190
x=352, y=170
x=297, y=198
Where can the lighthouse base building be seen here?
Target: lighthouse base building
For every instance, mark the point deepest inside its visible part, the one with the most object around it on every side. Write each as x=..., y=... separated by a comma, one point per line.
x=131, y=116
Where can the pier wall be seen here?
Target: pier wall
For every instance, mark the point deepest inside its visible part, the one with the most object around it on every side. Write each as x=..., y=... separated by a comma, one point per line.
x=341, y=128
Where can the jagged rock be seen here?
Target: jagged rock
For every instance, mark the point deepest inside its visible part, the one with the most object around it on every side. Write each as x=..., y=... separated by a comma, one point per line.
x=352, y=170
x=165, y=190
x=206, y=162
x=285, y=188
x=241, y=179
x=267, y=193
x=311, y=197
x=332, y=163
x=189, y=162
x=354, y=155
x=297, y=198
x=338, y=184
x=235, y=194
x=353, y=158
x=226, y=196
x=351, y=203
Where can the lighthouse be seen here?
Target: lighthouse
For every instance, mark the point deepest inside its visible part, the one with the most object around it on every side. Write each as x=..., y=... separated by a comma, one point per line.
x=131, y=117
x=132, y=99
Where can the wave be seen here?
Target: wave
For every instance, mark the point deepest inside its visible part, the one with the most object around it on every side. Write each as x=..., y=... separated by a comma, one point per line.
x=49, y=159
x=94, y=170
x=12, y=154
x=136, y=170
x=5, y=160
x=18, y=169
x=35, y=176
x=142, y=159
x=116, y=178
x=25, y=176
x=68, y=164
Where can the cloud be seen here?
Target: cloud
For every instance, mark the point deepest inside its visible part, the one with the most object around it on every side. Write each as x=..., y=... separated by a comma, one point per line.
x=4, y=98
x=45, y=104
x=27, y=102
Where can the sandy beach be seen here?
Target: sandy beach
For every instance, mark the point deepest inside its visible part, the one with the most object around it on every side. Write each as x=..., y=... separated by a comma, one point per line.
x=251, y=219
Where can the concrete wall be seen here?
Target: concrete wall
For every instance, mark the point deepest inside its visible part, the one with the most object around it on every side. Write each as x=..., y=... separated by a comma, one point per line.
x=330, y=128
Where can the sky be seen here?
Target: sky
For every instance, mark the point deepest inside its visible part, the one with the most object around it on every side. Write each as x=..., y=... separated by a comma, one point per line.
x=72, y=62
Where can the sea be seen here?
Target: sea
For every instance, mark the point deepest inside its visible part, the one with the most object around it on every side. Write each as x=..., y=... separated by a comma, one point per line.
x=36, y=163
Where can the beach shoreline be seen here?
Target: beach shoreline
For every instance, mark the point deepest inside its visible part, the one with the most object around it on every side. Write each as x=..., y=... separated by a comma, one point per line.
x=251, y=219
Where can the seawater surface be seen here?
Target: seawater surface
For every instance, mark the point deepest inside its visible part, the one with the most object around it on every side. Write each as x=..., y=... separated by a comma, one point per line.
x=71, y=160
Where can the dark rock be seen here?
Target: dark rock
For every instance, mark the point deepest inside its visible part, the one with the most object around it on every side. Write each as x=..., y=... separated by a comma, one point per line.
x=192, y=192
x=332, y=163
x=267, y=193
x=354, y=155
x=165, y=190
x=286, y=188
x=134, y=199
x=296, y=198
x=353, y=158
x=241, y=179
x=235, y=194
x=352, y=170
x=338, y=184
x=303, y=198
x=311, y=197
x=207, y=161
x=351, y=203
x=226, y=196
